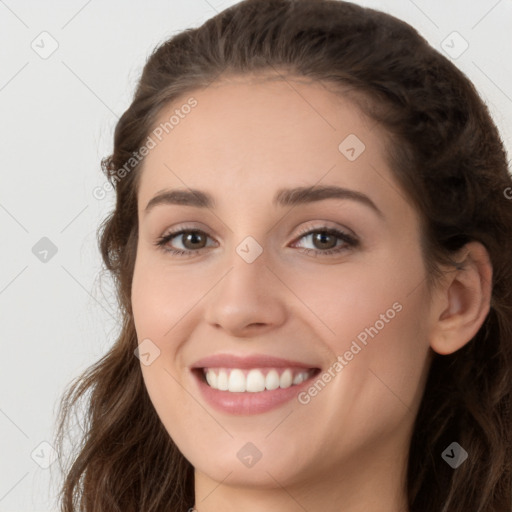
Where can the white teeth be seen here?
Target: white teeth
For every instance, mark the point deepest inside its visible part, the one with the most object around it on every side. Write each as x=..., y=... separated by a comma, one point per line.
x=255, y=381
x=222, y=380
x=272, y=380
x=300, y=377
x=286, y=379
x=237, y=381
x=211, y=378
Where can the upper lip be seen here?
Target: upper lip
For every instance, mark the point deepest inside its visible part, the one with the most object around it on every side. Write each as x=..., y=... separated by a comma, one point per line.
x=253, y=361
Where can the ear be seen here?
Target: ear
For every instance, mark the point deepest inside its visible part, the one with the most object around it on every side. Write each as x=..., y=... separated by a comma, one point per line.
x=463, y=301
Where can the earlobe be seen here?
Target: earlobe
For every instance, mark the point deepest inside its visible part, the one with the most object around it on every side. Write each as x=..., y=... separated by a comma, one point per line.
x=464, y=300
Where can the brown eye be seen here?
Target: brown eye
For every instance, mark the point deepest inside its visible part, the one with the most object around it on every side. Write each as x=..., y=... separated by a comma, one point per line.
x=324, y=240
x=193, y=240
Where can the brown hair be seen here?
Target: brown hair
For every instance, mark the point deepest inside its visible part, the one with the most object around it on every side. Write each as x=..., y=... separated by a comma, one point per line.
x=446, y=153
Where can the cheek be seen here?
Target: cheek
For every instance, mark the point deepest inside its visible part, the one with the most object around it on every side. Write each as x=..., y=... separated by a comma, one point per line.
x=384, y=379
x=367, y=299
x=159, y=300
x=161, y=296
x=377, y=324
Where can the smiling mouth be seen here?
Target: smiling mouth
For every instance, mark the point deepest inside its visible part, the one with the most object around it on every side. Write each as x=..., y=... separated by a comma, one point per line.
x=254, y=380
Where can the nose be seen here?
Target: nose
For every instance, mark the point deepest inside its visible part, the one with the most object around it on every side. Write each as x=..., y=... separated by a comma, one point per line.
x=249, y=299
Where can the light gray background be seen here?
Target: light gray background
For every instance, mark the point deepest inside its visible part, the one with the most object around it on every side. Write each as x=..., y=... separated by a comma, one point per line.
x=57, y=120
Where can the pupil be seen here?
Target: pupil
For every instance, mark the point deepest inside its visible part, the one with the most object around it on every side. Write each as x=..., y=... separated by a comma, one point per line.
x=320, y=237
x=192, y=237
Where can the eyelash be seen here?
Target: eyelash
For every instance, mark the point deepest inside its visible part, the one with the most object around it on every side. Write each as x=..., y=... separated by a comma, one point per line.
x=350, y=241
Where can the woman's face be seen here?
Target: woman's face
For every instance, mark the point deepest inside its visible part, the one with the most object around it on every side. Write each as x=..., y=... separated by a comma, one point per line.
x=266, y=275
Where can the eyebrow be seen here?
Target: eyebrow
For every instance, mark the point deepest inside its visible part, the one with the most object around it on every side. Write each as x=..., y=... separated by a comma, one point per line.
x=284, y=197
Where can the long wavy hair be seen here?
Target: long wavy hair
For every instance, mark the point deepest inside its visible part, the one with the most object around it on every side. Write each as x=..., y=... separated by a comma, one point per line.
x=446, y=153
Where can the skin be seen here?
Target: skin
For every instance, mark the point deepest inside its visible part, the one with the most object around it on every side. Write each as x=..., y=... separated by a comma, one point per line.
x=347, y=448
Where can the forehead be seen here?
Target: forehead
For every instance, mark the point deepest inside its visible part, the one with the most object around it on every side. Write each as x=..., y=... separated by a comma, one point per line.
x=255, y=133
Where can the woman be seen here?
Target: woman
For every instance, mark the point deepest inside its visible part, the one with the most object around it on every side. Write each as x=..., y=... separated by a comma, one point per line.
x=312, y=243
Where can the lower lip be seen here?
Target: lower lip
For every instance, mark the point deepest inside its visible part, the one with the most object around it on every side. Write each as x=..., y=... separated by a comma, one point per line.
x=249, y=403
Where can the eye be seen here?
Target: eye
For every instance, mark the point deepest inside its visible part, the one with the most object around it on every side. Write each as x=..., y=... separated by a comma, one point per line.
x=193, y=241
x=326, y=240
